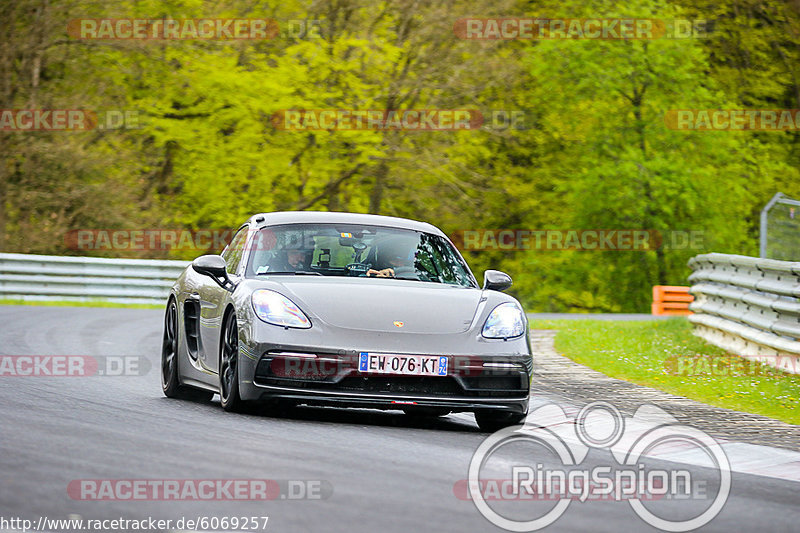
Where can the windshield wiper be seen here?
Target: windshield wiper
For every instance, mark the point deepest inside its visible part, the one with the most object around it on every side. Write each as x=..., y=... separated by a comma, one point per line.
x=295, y=272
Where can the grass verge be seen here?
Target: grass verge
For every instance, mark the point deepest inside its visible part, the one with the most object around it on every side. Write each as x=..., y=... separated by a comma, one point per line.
x=664, y=354
x=91, y=303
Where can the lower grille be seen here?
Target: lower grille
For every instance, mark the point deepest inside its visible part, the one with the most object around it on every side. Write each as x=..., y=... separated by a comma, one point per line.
x=512, y=382
x=436, y=386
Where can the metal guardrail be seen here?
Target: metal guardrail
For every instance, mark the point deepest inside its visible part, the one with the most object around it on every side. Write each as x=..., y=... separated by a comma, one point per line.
x=50, y=277
x=748, y=306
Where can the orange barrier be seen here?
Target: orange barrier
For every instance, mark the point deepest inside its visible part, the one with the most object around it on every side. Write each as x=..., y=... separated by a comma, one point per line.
x=671, y=300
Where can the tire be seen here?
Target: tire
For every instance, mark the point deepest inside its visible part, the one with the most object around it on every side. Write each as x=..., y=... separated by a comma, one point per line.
x=426, y=412
x=170, y=381
x=229, y=367
x=491, y=421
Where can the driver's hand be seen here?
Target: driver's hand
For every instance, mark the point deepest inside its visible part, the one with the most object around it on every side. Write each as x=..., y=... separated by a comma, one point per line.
x=385, y=273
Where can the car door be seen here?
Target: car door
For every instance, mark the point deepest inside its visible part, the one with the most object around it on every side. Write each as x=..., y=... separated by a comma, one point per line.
x=212, y=302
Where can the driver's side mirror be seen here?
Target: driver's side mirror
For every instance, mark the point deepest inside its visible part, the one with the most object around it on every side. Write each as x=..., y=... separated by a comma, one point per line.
x=214, y=267
x=496, y=280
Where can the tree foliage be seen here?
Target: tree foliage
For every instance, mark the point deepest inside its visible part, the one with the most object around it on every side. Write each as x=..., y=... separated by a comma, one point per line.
x=593, y=152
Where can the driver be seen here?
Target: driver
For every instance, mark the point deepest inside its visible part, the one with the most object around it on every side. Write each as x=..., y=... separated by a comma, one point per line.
x=293, y=260
x=395, y=257
x=298, y=259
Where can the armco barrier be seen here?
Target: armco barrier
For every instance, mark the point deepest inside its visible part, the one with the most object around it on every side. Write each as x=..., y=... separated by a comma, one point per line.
x=49, y=277
x=746, y=305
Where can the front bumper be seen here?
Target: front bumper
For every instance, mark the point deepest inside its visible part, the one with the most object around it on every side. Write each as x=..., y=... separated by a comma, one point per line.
x=319, y=366
x=319, y=377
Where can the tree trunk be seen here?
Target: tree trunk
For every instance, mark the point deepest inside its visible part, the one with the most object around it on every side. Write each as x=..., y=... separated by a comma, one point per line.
x=376, y=195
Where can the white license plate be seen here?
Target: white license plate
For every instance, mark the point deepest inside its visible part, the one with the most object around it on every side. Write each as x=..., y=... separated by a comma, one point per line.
x=410, y=365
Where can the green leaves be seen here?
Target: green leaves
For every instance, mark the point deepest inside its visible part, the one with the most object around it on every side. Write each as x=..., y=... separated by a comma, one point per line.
x=593, y=150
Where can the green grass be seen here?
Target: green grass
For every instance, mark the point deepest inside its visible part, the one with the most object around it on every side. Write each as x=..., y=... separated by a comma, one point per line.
x=91, y=303
x=663, y=354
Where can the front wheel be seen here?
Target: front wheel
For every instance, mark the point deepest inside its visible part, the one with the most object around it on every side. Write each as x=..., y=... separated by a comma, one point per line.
x=491, y=421
x=170, y=382
x=229, y=367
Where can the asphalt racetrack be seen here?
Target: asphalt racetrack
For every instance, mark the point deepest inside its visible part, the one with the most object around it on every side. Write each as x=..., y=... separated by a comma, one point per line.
x=335, y=469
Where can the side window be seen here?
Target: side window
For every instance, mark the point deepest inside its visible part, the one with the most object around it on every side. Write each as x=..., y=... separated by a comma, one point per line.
x=233, y=253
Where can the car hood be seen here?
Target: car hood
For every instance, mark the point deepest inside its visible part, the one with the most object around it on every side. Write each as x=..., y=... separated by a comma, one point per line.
x=383, y=304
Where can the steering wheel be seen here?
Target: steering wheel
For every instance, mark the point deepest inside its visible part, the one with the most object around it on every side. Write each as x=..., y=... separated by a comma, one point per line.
x=357, y=269
x=405, y=272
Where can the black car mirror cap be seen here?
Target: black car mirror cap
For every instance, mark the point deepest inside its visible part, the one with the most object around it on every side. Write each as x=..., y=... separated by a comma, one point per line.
x=214, y=267
x=496, y=280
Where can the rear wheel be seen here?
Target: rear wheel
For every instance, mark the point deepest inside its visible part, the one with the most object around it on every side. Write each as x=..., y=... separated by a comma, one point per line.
x=170, y=381
x=229, y=367
x=491, y=421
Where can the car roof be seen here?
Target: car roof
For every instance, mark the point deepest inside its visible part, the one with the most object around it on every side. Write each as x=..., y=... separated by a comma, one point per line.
x=327, y=217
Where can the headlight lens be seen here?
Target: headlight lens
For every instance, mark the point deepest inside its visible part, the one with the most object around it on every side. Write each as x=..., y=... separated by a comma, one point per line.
x=277, y=309
x=505, y=321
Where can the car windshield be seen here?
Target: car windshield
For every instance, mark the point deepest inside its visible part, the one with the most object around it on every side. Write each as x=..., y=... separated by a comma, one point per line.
x=357, y=251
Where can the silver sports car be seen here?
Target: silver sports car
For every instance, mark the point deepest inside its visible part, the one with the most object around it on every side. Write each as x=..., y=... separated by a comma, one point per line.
x=347, y=310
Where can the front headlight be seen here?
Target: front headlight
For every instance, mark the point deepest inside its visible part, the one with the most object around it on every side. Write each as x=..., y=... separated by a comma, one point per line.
x=505, y=321
x=277, y=309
